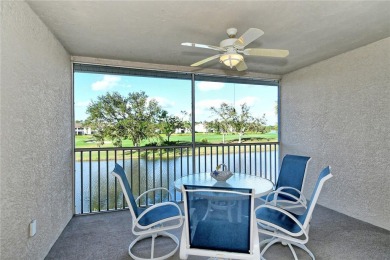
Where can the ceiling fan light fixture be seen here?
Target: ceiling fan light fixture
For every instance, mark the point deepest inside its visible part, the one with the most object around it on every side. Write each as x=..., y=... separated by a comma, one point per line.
x=231, y=59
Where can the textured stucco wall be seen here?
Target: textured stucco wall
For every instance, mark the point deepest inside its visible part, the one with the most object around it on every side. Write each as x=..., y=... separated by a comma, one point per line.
x=338, y=112
x=36, y=143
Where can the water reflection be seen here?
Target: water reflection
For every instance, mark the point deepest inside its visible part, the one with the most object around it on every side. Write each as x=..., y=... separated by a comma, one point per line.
x=100, y=189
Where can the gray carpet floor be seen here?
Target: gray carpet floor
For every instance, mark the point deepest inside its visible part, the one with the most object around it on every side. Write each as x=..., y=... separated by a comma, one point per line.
x=332, y=236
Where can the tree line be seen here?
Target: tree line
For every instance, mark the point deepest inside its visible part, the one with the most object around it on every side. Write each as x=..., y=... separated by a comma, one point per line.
x=137, y=117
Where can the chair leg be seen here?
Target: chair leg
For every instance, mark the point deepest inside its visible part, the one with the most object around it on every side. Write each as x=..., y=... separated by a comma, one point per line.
x=266, y=241
x=292, y=251
x=153, y=236
x=152, y=247
x=269, y=242
x=304, y=248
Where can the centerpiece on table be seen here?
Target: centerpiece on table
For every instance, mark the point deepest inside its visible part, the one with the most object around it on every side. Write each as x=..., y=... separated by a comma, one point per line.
x=221, y=173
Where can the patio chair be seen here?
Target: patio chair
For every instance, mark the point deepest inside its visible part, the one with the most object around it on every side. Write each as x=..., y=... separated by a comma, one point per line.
x=286, y=227
x=288, y=192
x=150, y=222
x=218, y=235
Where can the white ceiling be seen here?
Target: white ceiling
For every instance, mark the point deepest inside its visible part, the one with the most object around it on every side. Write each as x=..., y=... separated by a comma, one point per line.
x=151, y=31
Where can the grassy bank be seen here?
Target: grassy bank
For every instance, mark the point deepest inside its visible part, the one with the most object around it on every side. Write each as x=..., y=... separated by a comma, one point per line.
x=179, y=139
x=86, y=141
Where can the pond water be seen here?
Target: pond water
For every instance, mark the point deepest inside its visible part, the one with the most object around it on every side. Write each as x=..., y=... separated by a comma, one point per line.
x=97, y=189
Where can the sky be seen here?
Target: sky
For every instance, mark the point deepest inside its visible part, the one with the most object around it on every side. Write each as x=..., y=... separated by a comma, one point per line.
x=174, y=95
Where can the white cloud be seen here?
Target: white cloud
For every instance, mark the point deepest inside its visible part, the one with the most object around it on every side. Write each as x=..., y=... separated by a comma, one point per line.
x=163, y=102
x=206, y=104
x=202, y=108
x=250, y=101
x=207, y=86
x=272, y=119
x=107, y=82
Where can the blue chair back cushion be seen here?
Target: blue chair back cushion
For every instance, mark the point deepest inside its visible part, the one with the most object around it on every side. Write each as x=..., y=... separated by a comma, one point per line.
x=292, y=172
x=222, y=236
x=325, y=172
x=122, y=175
x=281, y=220
x=210, y=228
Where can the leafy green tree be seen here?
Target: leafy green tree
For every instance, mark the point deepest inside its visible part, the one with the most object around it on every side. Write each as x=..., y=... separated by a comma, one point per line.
x=231, y=120
x=276, y=113
x=276, y=108
x=241, y=121
x=98, y=132
x=213, y=126
x=258, y=124
x=169, y=124
x=186, y=120
x=120, y=117
x=225, y=115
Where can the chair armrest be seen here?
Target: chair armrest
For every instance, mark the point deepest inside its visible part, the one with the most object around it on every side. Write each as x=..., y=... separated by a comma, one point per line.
x=151, y=190
x=179, y=216
x=286, y=213
x=301, y=200
x=289, y=188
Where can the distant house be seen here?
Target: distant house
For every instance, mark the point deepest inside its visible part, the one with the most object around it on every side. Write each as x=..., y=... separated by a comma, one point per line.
x=180, y=131
x=79, y=129
x=200, y=128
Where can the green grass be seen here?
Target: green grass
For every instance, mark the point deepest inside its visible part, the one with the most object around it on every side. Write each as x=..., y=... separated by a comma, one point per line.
x=178, y=139
x=86, y=141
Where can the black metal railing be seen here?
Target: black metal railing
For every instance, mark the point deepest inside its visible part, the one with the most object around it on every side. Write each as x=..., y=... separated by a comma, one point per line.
x=96, y=190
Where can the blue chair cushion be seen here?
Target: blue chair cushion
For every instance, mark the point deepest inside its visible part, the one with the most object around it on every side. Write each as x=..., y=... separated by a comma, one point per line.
x=122, y=175
x=157, y=214
x=292, y=172
x=279, y=219
x=222, y=235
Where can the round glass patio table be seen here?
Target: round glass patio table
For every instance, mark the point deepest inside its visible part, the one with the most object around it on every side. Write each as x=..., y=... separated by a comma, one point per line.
x=260, y=185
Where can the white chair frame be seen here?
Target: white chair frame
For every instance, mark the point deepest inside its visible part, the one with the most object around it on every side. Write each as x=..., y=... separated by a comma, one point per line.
x=281, y=235
x=297, y=202
x=289, y=204
x=185, y=249
x=155, y=229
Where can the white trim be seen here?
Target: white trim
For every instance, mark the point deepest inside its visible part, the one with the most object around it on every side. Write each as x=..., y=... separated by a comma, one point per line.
x=171, y=68
x=73, y=143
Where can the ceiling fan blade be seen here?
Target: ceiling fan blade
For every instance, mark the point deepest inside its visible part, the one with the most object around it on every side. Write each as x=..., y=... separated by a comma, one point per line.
x=267, y=52
x=248, y=37
x=204, y=46
x=205, y=60
x=241, y=66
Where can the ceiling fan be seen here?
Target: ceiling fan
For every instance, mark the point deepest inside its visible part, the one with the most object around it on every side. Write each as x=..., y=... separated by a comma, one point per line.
x=233, y=48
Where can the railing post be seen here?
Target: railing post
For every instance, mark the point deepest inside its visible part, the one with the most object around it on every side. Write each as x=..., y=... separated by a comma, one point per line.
x=193, y=120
